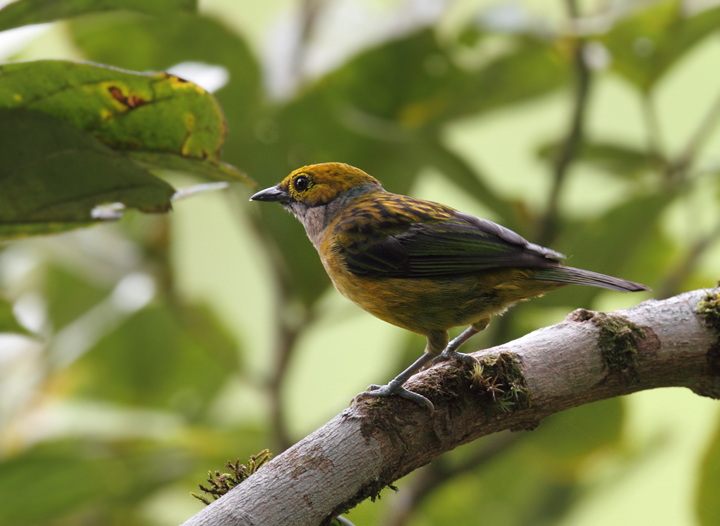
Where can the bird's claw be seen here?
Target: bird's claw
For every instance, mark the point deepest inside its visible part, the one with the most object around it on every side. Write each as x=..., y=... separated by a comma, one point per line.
x=454, y=355
x=382, y=391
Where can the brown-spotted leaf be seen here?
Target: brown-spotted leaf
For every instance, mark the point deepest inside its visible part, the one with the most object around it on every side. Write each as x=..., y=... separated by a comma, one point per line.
x=133, y=113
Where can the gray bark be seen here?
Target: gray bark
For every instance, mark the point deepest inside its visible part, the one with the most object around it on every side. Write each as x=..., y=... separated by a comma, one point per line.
x=369, y=445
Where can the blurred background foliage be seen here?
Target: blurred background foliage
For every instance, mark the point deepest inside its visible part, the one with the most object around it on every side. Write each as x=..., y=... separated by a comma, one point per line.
x=136, y=356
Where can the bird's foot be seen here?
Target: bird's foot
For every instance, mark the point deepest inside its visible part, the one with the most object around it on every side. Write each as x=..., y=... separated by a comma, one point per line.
x=393, y=388
x=450, y=354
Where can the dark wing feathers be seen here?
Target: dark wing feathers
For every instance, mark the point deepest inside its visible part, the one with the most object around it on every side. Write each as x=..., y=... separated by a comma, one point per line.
x=458, y=244
x=509, y=236
x=385, y=256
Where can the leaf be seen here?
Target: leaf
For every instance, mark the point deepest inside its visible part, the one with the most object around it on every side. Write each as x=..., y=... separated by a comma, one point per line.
x=221, y=171
x=531, y=69
x=613, y=158
x=173, y=357
x=24, y=12
x=646, y=45
x=53, y=175
x=707, y=504
x=8, y=323
x=422, y=86
x=129, y=112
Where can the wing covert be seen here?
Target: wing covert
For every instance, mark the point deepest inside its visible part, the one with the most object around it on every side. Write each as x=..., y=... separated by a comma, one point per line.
x=405, y=245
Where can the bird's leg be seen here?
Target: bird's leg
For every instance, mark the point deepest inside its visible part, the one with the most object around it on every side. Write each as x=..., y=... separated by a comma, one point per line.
x=396, y=385
x=436, y=340
x=451, y=351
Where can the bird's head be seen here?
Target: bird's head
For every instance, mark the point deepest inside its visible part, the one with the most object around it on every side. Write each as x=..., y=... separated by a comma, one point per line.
x=317, y=185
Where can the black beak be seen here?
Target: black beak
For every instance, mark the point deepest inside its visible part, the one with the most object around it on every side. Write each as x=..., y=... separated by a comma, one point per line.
x=272, y=194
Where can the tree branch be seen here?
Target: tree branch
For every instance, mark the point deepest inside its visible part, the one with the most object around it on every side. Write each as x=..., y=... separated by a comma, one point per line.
x=588, y=357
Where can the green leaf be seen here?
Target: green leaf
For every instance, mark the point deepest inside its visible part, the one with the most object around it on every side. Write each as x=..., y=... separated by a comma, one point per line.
x=8, y=323
x=130, y=112
x=24, y=12
x=157, y=44
x=613, y=158
x=646, y=45
x=422, y=86
x=220, y=171
x=53, y=175
x=175, y=358
x=532, y=68
x=707, y=504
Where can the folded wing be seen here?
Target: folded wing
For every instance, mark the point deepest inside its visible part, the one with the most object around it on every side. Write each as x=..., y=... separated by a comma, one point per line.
x=454, y=245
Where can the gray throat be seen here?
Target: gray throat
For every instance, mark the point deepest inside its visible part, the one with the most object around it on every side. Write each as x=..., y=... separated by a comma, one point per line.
x=316, y=219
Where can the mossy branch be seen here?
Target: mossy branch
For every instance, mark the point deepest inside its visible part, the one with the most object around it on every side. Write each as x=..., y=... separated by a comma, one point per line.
x=588, y=357
x=220, y=483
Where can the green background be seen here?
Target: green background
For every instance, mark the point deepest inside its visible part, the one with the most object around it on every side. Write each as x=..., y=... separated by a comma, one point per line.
x=155, y=340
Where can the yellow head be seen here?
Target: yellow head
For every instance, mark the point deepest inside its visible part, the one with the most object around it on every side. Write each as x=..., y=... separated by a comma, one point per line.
x=316, y=194
x=316, y=185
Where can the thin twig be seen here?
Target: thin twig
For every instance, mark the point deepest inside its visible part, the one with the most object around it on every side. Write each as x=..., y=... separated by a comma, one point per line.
x=573, y=141
x=434, y=475
x=287, y=335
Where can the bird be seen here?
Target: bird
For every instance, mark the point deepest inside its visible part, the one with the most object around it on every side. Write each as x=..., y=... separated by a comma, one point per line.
x=417, y=264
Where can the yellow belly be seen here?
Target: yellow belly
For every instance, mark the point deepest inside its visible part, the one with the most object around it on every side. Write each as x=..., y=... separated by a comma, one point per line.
x=426, y=305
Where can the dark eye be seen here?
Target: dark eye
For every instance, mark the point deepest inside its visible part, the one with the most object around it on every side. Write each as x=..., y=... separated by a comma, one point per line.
x=301, y=183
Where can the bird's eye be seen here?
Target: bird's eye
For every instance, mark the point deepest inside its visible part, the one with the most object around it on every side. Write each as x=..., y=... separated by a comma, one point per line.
x=301, y=183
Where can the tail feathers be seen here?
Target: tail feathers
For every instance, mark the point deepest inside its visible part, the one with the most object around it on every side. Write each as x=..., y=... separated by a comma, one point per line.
x=576, y=276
